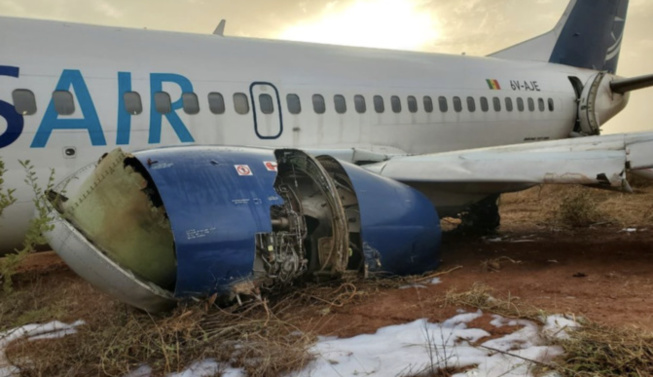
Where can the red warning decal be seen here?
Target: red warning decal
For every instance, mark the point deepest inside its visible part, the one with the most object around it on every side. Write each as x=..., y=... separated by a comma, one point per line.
x=270, y=165
x=243, y=170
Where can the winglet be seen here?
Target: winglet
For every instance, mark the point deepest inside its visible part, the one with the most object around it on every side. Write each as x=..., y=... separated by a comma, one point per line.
x=220, y=29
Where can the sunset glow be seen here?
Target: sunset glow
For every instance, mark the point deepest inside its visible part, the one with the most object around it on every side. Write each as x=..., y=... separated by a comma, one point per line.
x=395, y=24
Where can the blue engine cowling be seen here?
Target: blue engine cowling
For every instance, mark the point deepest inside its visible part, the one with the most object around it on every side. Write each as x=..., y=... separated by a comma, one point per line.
x=198, y=220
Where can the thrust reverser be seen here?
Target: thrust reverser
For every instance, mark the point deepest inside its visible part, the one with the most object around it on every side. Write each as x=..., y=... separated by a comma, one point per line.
x=163, y=224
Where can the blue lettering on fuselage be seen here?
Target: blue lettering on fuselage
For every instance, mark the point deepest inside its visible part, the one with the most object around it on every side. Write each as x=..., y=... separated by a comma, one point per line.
x=15, y=121
x=124, y=117
x=73, y=81
x=71, y=78
x=156, y=85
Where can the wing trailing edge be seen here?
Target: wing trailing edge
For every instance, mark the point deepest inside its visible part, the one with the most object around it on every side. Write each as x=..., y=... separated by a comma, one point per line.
x=600, y=161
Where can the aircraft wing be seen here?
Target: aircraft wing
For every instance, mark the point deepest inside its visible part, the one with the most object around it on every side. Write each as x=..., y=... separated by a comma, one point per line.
x=598, y=160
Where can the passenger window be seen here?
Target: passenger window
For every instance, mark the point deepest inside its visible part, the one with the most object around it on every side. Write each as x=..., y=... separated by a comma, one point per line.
x=485, y=106
x=428, y=104
x=241, y=103
x=379, y=106
x=442, y=102
x=471, y=104
x=318, y=104
x=162, y=102
x=395, y=102
x=294, y=105
x=133, y=103
x=520, y=104
x=412, y=104
x=508, y=104
x=540, y=104
x=190, y=103
x=341, y=104
x=531, y=105
x=63, y=102
x=265, y=101
x=551, y=104
x=24, y=101
x=496, y=102
x=457, y=104
x=216, y=103
x=359, y=104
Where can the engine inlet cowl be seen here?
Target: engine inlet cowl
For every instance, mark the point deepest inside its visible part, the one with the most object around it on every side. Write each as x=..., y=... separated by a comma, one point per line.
x=168, y=223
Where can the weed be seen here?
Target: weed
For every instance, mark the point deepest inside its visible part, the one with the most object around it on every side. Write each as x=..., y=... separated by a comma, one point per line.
x=39, y=224
x=440, y=354
x=7, y=197
x=578, y=208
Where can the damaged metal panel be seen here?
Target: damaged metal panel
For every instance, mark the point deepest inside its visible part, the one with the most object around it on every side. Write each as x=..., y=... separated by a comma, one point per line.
x=216, y=199
x=399, y=226
x=193, y=221
x=113, y=209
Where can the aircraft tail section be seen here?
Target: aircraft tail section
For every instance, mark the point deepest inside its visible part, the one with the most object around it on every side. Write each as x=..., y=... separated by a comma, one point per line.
x=588, y=35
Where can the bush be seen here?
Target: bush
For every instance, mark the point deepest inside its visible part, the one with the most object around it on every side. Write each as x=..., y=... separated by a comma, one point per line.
x=579, y=209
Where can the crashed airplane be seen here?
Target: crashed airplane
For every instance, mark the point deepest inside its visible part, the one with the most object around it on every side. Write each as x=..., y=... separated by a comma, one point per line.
x=354, y=153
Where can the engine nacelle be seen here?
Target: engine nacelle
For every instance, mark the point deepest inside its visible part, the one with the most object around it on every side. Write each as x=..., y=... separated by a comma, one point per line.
x=598, y=103
x=169, y=223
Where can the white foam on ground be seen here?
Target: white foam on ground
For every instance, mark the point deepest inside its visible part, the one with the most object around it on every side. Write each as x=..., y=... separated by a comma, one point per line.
x=421, y=346
x=411, y=348
x=51, y=330
x=416, y=286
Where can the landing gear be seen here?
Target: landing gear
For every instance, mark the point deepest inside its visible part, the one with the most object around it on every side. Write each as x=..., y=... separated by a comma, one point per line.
x=481, y=218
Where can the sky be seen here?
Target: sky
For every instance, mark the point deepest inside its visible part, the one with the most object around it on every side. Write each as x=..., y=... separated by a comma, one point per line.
x=474, y=27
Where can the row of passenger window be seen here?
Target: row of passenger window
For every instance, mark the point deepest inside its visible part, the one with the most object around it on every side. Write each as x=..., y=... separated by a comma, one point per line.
x=25, y=103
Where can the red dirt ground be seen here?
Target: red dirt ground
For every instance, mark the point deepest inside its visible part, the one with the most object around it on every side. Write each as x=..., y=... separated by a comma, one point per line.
x=602, y=272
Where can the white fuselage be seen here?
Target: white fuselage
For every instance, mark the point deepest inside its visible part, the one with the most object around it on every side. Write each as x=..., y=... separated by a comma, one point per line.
x=98, y=64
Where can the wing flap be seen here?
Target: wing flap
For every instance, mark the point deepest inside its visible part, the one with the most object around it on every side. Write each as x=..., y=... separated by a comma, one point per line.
x=598, y=160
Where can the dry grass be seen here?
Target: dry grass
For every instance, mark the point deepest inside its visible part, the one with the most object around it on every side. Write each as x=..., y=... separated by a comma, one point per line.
x=579, y=208
x=480, y=297
x=119, y=341
x=597, y=350
x=572, y=206
x=259, y=336
x=591, y=350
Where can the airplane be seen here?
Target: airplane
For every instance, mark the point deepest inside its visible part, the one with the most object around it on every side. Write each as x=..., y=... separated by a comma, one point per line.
x=193, y=165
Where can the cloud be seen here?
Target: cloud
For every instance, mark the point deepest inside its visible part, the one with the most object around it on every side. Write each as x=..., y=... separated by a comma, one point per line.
x=107, y=9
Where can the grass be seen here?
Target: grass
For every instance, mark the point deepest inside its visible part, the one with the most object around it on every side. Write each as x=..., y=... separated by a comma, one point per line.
x=597, y=350
x=261, y=336
x=579, y=208
x=591, y=350
x=573, y=207
x=120, y=339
